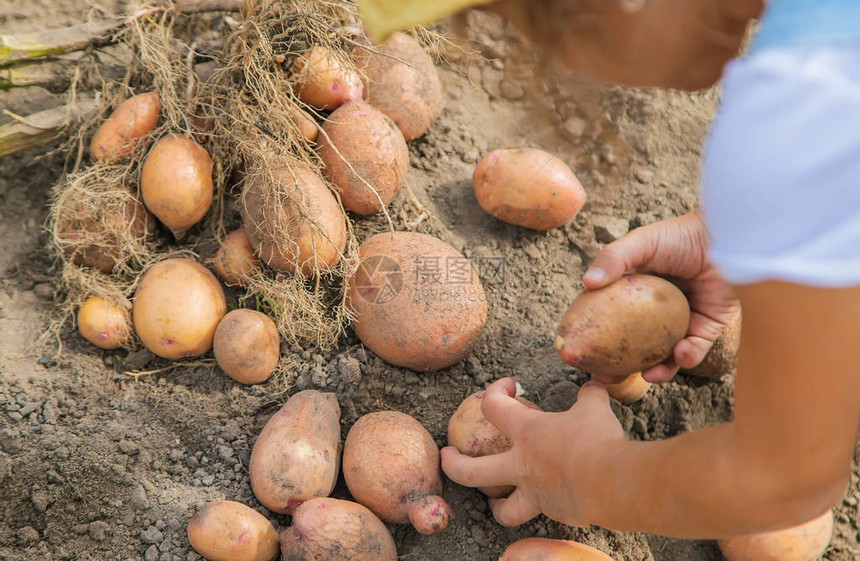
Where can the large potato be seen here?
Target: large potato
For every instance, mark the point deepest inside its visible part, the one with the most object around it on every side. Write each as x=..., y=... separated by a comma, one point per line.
x=120, y=134
x=418, y=302
x=177, y=307
x=365, y=156
x=527, y=187
x=543, y=549
x=804, y=542
x=391, y=466
x=324, y=81
x=402, y=82
x=297, y=455
x=625, y=327
x=247, y=346
x=231, y=531
x=292, y=219
x=176, y=182
x=474, y=435
x=329, y=529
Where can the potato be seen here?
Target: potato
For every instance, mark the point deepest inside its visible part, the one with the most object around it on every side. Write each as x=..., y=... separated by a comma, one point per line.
x=625, y=327
x=120, y=134
x=297, y=455
x=103, y=323
x=365, y=156
x=544, y=549
x=306, y=124
x=324, y=81
x=402, y=82
x=293, y=221
x=235, y=260
x=723, y=356
x=527, y=187
x=231, y=531
x=391, y=466
x=177, y=307
x=247, y=346
x=417, y=301
x=804, y=542
x=472, y=434
x=176, y=182
x=110, y=228
x=328, y=529
x=629, y=389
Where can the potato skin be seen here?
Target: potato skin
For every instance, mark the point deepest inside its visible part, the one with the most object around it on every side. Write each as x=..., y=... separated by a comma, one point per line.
x=474, y=435
x=176, y=182
x=723, y=356
x=325, y=529
x=527, y=187
x=425, y=326
x=544, y=549
x=231, y=531
x=324, y=81
x=629, y=389
x=305, y=123
x=402, y=82
x=247, y=346
x=804, y=542
x=177, y=307
x=103, y=323
x=297, y=455
x=120, y=134
x=625, y=327
x=285, y=236
x=391, y=466
x=235, y=260
x=360, y=137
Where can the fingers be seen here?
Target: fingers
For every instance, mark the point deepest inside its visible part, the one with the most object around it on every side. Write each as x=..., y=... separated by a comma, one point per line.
x=500, y=407
x=592, y=398
x=661, y=373
x=621, y=256
x=486, y=471
x=514, y=510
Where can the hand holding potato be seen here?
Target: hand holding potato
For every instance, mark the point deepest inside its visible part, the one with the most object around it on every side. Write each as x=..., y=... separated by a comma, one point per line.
x=676, y=248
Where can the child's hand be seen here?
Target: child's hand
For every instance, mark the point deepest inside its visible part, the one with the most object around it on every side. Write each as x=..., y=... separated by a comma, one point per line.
x=547, y=450
x=676, y=248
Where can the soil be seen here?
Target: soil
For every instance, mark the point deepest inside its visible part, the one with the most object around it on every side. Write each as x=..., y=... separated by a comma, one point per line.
x=96, y=464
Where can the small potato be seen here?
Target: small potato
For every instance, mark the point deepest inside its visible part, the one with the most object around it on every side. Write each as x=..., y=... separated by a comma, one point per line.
x=804, y=542
x=293, y=221
x=405, y=310
x=235, y=260
x=247, y=346
x=723, y=356
x=120, y=134
x=306, y=124
x=402, y=82
x=543, y=549
x=176, y=182
x=324, y=81
x=623, y=328
x=391, y=466
x=177, y=307
x=103, y=323
x=329, y=529
x=297, y=455
x=474, y=435
x=628, y=389
x=365, y=156
x=527, y=187
x=231, y=531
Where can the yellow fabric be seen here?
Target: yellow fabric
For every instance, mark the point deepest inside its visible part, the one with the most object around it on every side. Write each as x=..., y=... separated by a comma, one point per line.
x=383, y=17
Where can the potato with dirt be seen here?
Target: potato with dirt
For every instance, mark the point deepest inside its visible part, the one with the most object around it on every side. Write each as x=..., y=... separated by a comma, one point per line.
x=176, y=182
x=406, y=311
x=544, y=549
x=292, y=219
x=177, y=307
x=103, y=323
x=402, y=82
x=235, y=259
x=326, y=529
x=324, y=80
x=474, y=435
x=623, y=328
x=247, y=346
x=297, y=455
x=391, y=466
x=364, y=155
x=527, y=187
x=804, y=542
x=122, y=132
x=231, y=531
